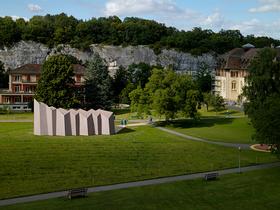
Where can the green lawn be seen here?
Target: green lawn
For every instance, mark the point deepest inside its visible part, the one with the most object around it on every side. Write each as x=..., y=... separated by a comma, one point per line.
x=32, y=164
x=257, y=190
x=236, y=130
x=204, y=113
x=17, y=116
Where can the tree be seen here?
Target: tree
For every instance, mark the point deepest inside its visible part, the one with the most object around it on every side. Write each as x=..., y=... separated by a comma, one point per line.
x=124, y=95
x=4, y=77
x=56, y=85
x=168, y=93
x=203, y=78
x=263, y=97
x=139, y=100
x=120, y=81
x=139, y=73
x=98, y=85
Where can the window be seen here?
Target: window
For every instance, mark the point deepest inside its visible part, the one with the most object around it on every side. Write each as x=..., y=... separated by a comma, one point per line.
x=233, y=85
x=78, y=78
x=17, y=88
x=17, y=78
x=17, y=99
x=234, y=73
x=7, y=100
x=33, y=78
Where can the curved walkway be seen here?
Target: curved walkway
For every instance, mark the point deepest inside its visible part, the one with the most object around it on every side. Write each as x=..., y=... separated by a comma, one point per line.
x=235, y=145
x=14, y=121
x=135, y=184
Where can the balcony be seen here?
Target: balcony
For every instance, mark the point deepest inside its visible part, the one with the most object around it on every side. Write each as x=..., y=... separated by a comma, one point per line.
x=29, y=81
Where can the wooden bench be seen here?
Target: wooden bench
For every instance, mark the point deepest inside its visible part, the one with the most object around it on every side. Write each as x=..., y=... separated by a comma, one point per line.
x=211, y=176
x=79, y=192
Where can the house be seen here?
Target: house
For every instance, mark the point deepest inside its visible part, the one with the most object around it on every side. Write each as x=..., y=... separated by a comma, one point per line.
x=23, y=82
x=232, y=70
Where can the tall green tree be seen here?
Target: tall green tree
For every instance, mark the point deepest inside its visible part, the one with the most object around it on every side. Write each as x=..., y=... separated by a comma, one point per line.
x=56, y=85
x=98, y=84
x=203, y=78
x=120, y=81
x=263, y=97
x=4, y=77
x=168, y=93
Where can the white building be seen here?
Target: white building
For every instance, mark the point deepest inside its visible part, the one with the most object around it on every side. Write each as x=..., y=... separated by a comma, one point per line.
x=232, y=70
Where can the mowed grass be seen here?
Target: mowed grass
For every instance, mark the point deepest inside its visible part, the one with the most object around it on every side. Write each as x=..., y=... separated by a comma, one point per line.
x=223, y=113
x=257, y=190
x=235, y=130
x=17, y=116
x=36, y=164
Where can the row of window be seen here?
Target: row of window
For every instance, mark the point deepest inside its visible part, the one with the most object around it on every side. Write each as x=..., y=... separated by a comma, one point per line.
x=28, y=89
x=222, y=73
x=33, y=78
x=233, y=85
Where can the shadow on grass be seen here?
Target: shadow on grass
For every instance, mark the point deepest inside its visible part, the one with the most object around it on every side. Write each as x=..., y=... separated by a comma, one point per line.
x=126, y=130
x=198, y=123
x=121, y=111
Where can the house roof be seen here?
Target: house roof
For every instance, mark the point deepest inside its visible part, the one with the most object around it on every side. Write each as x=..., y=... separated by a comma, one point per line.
x=37, y=68
x=238, y=58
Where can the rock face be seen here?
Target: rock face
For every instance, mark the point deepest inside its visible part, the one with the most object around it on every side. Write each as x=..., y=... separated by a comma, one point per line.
x=31, y=52
x=23, y=53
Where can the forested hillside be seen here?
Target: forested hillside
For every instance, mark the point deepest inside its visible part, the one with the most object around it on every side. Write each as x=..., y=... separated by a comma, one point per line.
x=62, y=29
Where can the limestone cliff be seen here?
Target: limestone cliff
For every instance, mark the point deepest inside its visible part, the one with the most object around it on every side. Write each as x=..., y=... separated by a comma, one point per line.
x=31, y=52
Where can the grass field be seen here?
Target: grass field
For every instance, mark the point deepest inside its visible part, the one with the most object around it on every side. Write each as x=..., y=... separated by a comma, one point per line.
x=17, y=116
x=236, y=130
x=32, y=164
x=257, y=190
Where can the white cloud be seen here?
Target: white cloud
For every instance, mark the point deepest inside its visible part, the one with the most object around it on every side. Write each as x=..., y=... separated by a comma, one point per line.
x=136, y=7
x=34, y=8
x=215, y=20
x=267, y=6
x=258, y=28
x=15, y=17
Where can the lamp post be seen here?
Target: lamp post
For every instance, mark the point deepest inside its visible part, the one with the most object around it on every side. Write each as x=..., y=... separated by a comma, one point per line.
x=239, y=148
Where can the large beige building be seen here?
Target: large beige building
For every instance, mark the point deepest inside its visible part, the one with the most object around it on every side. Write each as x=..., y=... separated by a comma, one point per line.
x=232, y=70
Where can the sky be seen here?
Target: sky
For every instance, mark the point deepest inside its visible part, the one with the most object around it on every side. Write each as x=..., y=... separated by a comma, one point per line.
x=258, y=17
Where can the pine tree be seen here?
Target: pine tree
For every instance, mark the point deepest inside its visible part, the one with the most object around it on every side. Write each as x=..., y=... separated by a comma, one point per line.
x=98, y=84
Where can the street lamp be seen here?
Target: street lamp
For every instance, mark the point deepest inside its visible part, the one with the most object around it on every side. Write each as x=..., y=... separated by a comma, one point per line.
x=239, y=148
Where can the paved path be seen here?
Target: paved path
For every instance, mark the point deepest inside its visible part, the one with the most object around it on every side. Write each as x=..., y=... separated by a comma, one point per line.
x=235, y=145
x=14, y=121
x=135, y=184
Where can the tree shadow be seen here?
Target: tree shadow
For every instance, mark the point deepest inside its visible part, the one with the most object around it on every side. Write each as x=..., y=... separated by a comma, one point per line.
x=196, y=123
x=121, y=111
x=126, y=130
x=229, y=112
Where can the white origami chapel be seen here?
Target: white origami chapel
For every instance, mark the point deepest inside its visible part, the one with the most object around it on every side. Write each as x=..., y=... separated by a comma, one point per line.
x=61, y=122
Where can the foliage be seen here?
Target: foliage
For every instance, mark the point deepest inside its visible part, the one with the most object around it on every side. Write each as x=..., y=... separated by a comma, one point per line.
x=62, y=29
x=139, y=73
x=139, y=100
x=204, y=78
x=216, y=101
x=56, y=85
x=4, y=77
x=124, y=95
x=98, y=84
x=120, y=81
x=168, y=93
x=263, y=97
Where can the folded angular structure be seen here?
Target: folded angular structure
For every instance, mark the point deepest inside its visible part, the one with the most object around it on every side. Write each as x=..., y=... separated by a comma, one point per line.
x=51, y=121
